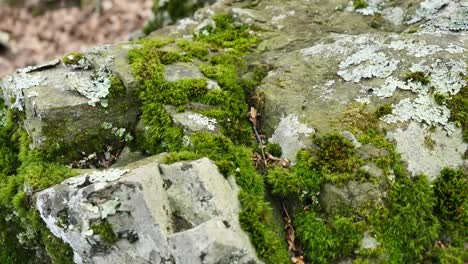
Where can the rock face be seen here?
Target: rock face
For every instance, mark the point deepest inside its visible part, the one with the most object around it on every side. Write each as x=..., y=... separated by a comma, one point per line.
x=148, y=212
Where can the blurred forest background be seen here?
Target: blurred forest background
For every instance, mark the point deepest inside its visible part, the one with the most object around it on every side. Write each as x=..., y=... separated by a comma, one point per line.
x=36, y=31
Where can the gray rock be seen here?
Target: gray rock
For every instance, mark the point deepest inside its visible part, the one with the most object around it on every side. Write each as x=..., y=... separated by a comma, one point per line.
x=186, y=212
x=192, y=122
x=357, y=195
x=62, y=104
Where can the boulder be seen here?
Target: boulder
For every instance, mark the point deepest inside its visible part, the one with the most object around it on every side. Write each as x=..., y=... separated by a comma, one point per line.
x=148, y=212
x=72, y=103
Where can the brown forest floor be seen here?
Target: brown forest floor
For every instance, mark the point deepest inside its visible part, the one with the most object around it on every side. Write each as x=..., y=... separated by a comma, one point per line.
x=30, y=40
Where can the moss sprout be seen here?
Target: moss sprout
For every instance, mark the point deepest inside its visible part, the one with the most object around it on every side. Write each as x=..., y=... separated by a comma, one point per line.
x=359, y=4
x=274, y=149
x=458, y=106
x=384, y=110
x=105, y=231
x=117, y=88
x=72, y=58
x=417, y=76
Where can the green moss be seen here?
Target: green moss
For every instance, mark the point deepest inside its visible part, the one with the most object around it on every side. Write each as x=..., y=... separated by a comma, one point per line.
x=451, y=192
x=358, y=4
x=72, y=58
x=458, y=106
x=325, y=241
x=384, y=110
x=194, y=49
x=117, y=89
x=417, y=76
x=440, y=98
x=154, y=91
x=335, y=153
x=228, y=34
x=274, y=149
x=105, y=231
x=408, y=217
x=174, y=157
x=18, y=165
x=285, y=183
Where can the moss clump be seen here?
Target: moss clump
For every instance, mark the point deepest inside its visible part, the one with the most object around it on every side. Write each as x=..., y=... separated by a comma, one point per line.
x=408, y=217
x=384, y=110
x=451, y=191
x=440, y=98
x=154, y=91
x=228, y=34
x=325, y=241
x=194, y=49
x=458, y=106
x=417, y=76
x=72, y=58
x=359, y=4
x=274, y=149
x=335, y=153
x=104, y=230
x=117, y=88
x=20, y=165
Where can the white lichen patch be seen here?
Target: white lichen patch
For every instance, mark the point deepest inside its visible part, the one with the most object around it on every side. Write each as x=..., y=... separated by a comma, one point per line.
x=291, y=135
x=427, y=9
x=414, y=48
x=446, y=76
x=367, y=63
x=394, y=15
x=423, y=110
x=96, y=176
x=14, y=86
x=95, y=89
x=456, y=21
x=445, y=151
x=209, y=123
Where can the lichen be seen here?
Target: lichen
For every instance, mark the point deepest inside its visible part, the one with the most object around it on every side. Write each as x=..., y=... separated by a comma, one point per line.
x=368, y=63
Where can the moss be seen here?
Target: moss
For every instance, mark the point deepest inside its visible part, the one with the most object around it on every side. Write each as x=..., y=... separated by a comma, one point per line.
x=451, y=192
x=429, y=142
x=174, y=157
x=355, y=116
x=15, y=203
x=383, y=110
x=285, y=183
x=72, y=58
x=274, y=149
x=117, y=88
x=325, y=241
x=417, y=76
x=194, y=49
x=228, y=34
x=458, y=106
x=105, y=231
x=408, y=217
x=440, y=98
x=335, y=153
x=154, y=91
x=358, y=4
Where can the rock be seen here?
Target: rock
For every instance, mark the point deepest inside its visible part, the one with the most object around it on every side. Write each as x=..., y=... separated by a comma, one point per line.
x=369, y=241
x=358, y=195
x=186, y=212
x=325, y=79
x=192, y=122
x=178, y=71
x=369, y=151
x=64, y=105
x=291, y=135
